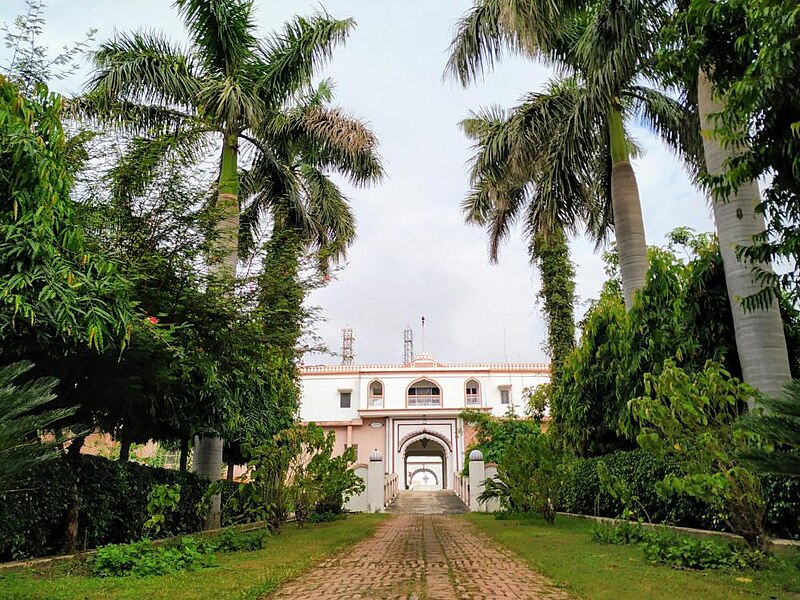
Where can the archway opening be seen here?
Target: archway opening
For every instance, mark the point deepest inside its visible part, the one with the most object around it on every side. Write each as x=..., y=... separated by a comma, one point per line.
x=425, y=465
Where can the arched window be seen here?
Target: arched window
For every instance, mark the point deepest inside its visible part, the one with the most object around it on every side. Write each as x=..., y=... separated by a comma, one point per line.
x=472, y=393
x=424, y=393
x=375, y=394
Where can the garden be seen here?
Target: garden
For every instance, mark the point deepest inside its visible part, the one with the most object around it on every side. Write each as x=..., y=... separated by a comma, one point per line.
x=161, y=233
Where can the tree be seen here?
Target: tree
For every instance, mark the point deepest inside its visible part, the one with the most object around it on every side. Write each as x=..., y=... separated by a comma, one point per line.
x=577, y=127
x=231, y=89
x=711, y=50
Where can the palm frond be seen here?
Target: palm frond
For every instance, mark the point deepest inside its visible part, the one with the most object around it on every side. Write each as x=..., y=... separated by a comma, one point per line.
x=144, y=68
x=331, y=139
x=334, y=224
x=676, y=123
x=222, y=32
x=478, y=42
x=290, y=59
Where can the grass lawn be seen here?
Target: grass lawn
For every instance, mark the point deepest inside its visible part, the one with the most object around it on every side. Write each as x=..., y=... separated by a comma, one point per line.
x=566, y=553
x=238, y=574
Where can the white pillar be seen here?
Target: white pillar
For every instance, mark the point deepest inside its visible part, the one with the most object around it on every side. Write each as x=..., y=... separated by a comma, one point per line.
x=477, y=475
x=375, y=475
x=492, y=505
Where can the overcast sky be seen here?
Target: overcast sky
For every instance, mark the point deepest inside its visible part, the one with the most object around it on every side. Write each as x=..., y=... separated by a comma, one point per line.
x=414, y=255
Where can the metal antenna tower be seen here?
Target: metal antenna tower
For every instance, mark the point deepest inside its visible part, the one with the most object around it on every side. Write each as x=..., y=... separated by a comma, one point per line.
x=347, y=345
x=423, y=334
x=408, y=345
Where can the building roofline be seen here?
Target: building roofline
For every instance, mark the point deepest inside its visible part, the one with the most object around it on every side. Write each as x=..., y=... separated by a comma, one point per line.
x=537, y=368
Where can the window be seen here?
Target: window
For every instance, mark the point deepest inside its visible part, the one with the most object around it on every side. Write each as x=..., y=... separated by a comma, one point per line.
x=355, y=449
x=505, y=396
x=376, y=394
x=473, y=393
x=424, y=393
x=344, y=399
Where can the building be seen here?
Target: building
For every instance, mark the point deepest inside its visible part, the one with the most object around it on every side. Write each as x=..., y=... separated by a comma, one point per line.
x=410, y=412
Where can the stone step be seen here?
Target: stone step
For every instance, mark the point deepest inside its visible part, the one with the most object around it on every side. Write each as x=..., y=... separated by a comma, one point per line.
x=419, y=502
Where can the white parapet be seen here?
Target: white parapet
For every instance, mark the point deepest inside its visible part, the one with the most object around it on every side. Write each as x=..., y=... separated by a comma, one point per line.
x=477, y=475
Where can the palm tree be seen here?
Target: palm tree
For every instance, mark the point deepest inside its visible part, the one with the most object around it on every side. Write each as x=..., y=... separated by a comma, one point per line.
x=760, y=339
x=584, y=126
x=231, y=93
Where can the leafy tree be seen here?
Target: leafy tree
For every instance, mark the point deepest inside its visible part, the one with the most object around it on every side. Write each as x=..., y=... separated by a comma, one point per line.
x=493, y=435
x=692, y=416
x=734, y=60
x=24, y=414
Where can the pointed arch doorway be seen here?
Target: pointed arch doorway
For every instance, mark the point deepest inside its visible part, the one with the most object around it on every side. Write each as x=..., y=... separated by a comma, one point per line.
x=425, y=463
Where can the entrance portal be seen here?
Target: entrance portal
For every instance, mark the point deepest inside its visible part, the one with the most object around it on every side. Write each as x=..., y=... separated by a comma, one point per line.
x=425, y=465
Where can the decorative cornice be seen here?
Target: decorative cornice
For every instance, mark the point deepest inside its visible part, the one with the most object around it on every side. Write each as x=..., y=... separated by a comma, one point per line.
x=532, y=368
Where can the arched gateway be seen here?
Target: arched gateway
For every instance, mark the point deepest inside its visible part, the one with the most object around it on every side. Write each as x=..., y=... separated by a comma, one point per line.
x=411, y=413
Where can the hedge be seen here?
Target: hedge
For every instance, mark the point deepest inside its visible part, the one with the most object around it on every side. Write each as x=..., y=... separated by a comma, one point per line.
x=582, y=494
x=112, y=505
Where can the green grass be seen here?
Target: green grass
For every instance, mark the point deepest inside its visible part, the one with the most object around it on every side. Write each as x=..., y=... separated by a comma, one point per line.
x=238, y=575
x=566, y=553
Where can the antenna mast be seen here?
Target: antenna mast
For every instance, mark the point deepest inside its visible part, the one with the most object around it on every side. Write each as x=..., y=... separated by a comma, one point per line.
x=408, y=345
x=347, y=345
x=423, y=334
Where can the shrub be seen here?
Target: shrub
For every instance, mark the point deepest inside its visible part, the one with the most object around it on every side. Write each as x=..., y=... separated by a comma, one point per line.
x=232, y=540
x=666, y=547
x=528, y=476
x=582, y=493
x=112, y=505
x=143, y=558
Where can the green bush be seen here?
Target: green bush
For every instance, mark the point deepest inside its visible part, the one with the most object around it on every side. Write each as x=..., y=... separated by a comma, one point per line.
x=232, y=540
x=112, y=502
x=581, y=493
x=683, y=552
x=143, y=558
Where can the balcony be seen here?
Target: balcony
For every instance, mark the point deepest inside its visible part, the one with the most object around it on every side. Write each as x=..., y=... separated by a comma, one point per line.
x=473, y=400
x=418, y=401
x=375, y=402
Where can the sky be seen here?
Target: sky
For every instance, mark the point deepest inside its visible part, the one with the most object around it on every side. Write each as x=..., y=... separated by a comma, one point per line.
x=414, y=255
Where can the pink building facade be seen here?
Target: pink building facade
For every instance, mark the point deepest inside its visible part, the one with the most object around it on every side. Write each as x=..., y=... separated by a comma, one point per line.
x=410, y=412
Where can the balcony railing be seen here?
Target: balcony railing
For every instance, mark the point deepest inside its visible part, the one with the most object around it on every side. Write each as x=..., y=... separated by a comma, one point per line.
x=424, y=401
x=375, y=402
x=473, y=400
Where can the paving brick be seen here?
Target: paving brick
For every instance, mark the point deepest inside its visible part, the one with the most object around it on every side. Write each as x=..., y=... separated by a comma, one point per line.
x=423, y=557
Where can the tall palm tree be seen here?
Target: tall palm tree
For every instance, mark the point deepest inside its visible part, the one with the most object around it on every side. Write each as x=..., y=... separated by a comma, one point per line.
x=228, y=92
x=760, y=339
x=582, y=126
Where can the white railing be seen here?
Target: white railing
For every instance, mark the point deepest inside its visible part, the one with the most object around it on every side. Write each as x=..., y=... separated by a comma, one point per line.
x=375, y=402
x=390, y=488
x=461, y=487
x=473, y=400
x=424, y=401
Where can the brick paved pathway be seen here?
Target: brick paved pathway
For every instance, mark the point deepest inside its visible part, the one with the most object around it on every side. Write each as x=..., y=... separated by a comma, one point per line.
x=423, y=557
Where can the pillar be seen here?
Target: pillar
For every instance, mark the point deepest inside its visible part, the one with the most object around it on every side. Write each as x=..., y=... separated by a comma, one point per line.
x=375, y=476
x=477, y=475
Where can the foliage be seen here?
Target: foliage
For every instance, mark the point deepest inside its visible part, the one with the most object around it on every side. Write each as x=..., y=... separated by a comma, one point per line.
x=777, y=421
x=236, y=540
x=493, y=435
x=22, y=421
x=163, y=499
x=142, y=559
x=749, y=52
x=31, y=63
x=52, y=290
x=295, y=472
x=621, y=489
x=557, y=294
x=528, y=476
x=112, y=505
x=692, y=417
x=680, y=551
x=681, y=314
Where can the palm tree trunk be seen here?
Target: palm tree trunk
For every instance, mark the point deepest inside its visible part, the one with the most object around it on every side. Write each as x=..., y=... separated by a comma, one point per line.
x=208, y=450
x=628, y=223
x=760, y=339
